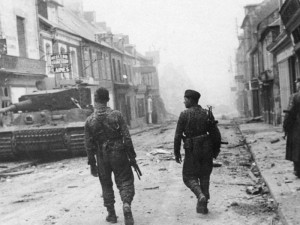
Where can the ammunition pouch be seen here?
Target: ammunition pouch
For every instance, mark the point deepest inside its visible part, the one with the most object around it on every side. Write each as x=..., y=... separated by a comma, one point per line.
x=188, y=144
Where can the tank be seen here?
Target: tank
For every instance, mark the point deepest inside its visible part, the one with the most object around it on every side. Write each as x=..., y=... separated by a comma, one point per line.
x=45, y=123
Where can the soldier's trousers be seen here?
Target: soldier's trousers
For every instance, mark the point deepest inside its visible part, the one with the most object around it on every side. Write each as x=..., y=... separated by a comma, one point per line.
x=115, y=161
x=197, y=167
x=297, y=167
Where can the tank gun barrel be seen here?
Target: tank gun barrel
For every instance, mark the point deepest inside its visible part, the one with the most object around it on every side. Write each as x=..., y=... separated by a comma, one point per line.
x=17, y=106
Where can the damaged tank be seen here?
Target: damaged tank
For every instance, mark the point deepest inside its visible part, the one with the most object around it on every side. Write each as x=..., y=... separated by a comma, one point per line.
x=45, y=123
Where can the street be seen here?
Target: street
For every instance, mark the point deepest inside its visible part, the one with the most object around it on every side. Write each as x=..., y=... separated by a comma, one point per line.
x=64, y=193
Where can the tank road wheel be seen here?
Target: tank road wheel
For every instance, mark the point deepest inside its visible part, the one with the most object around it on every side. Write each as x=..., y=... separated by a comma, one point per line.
x=7, y=146
x=76, y=141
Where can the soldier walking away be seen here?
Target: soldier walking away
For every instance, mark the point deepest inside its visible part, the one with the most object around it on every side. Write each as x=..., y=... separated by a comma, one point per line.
x=107, y=138
x=291, y=126
x=202, y=140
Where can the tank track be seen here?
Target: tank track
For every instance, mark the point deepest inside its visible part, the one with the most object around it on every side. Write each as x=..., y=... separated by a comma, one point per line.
x=76, y=141
x=6, y=146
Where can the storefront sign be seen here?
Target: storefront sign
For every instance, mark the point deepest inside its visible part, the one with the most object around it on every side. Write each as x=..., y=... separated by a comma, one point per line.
x=61, y=63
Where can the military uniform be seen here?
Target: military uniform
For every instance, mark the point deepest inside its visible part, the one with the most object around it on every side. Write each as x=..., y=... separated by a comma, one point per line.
x=291, y=127
x=107, y=136
x=200, y=148
x=202, y=140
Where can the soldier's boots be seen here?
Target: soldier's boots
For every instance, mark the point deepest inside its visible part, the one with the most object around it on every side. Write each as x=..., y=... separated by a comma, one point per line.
x=128, y=214
x=202, y=204
x=297, y=173
x=111, y=217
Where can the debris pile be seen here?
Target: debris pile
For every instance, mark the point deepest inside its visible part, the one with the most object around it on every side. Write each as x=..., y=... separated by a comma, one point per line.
x=160, y=154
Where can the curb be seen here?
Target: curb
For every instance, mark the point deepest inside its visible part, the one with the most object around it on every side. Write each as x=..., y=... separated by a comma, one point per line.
x=283, y=218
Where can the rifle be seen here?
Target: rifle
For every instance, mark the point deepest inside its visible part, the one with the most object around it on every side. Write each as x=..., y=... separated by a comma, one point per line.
x=212, y=122
x=133, y=163
x=137, y=169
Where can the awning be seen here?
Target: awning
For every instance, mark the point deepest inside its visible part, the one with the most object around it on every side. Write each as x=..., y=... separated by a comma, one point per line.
x=17, y=73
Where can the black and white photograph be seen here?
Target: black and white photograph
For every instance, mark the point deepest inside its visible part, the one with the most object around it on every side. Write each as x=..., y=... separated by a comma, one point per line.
x=150, y=112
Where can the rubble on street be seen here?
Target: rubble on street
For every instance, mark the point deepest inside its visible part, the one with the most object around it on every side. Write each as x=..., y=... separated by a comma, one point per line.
x=73, y=196
x=269, y=153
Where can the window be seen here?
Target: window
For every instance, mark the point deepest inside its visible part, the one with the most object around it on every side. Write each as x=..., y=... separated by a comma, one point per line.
x=87, y=63
x=47, y=55
x=125, y=73
x=119, y=70
x=141, y=107
x=129, y=73
x=6, y=92
x=95, y=65
x=74, y=62
x=42, y=8
x=114, y=69
x=100, y=65
x=62, y=50
x=21, y=36
x=107, y=63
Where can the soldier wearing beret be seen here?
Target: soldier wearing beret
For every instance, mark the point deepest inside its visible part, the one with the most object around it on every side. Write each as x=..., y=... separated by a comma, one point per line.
x=291, y=126
x=107, y=137
x=201, y=143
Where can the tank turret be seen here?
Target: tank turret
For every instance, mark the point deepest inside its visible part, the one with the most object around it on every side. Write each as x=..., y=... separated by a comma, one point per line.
x=45, y=122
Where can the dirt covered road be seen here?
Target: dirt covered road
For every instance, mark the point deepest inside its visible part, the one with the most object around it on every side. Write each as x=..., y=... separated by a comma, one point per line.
x=65, y=193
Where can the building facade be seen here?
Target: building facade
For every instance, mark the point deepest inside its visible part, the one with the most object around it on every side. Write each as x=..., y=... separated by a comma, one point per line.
x=20, y=63
x=57, y=42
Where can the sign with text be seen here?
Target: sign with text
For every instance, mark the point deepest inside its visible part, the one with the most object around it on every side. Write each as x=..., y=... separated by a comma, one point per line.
x=61, y=63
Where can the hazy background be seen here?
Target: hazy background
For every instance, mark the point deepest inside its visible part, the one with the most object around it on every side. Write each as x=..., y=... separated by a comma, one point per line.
x=196, y=39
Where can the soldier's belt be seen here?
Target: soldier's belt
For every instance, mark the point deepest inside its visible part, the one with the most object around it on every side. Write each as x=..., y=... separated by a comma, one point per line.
x=115, y=139
x=188, y=143
x=200, y=137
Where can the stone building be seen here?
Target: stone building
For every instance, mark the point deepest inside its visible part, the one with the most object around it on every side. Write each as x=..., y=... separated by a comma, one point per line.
x=20, y=62
x=267, y=31
x=67, y=47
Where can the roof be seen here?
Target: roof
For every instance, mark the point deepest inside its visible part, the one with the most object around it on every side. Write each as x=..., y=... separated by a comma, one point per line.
x=75, y=25
x=72, y=23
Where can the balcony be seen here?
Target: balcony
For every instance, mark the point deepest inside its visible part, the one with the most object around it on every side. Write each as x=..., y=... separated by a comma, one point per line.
x=22, y=66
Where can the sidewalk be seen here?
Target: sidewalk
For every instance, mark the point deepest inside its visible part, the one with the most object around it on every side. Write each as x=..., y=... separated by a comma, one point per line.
x=268, y=149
